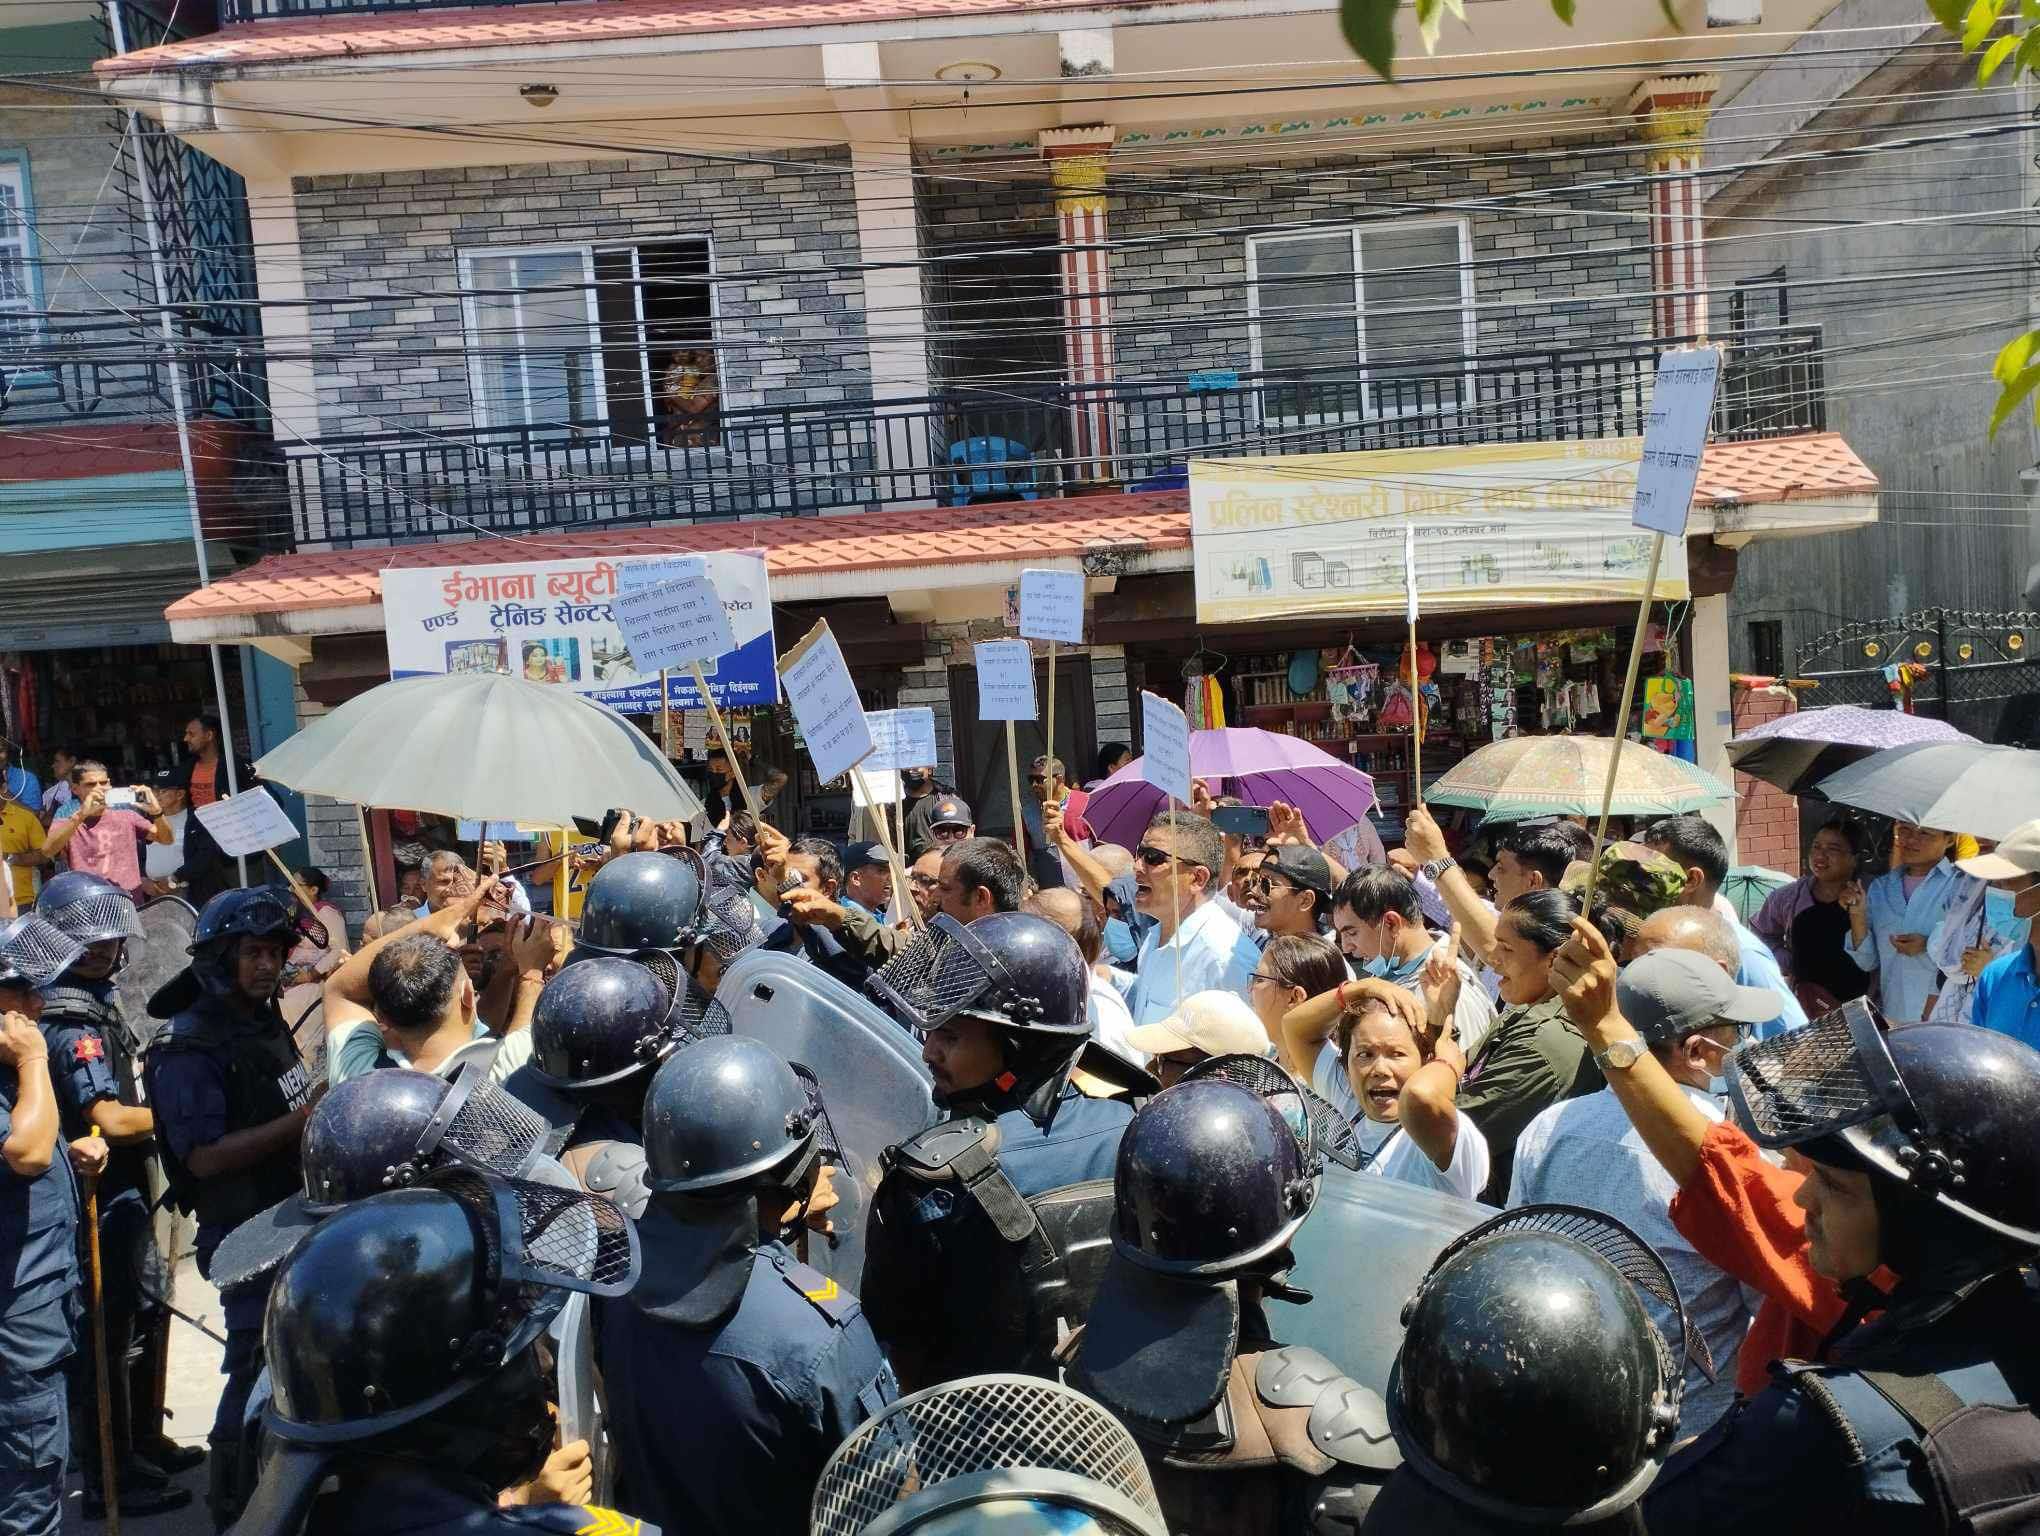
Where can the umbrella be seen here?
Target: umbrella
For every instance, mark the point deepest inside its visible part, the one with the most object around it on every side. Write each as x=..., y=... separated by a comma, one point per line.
x=1796, y=751
x=1747, y=885
x=1952, y=786
x=481, y=746
x=1260, y=767
x=1528, y=776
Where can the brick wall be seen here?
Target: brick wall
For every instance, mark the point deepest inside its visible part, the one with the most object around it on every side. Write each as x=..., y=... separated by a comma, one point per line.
x=1766, y=818
x=333, y=835
x=382, y=272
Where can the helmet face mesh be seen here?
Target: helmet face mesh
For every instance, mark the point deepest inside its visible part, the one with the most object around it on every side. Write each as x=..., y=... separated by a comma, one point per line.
x=936, y=976
x=558, y=1238
x=1812, y=1082
x=36, y=951
x=978, y=1425
x=96, y=918
x=487, y=1128
x=729, y=922
x=1270, y=1081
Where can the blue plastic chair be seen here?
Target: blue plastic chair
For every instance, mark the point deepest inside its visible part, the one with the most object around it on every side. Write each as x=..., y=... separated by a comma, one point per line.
x=1009, y=478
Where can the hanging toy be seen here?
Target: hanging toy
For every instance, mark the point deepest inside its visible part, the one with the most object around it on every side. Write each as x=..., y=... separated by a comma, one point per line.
x=1398, y=711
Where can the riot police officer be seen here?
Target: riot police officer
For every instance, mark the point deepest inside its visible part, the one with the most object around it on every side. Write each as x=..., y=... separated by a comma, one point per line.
x=1921, y=1153
x=1241, y=1434
x=1532, y=1387
x=733, y=1369
x=400, y=1335
x=92, y=1064
x=38, y=1241
x=963, y=1273
x=653, y=908
x=231, y=1098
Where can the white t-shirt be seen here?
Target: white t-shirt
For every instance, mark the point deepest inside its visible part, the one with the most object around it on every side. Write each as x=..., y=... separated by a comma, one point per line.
x=161, y=860
x=1394, y=1156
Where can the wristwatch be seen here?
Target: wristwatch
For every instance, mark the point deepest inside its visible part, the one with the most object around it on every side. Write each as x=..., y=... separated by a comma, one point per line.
x=1436, y=867
x=1621, y=1055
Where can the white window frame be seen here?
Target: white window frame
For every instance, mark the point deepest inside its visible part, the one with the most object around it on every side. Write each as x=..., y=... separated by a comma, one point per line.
x=637, y=273
x=14, y=171
x=1370, y=410
x=471, y=323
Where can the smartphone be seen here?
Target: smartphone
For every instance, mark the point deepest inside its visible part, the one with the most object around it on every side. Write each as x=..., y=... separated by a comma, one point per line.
x=1241, y=820
x=120, y=799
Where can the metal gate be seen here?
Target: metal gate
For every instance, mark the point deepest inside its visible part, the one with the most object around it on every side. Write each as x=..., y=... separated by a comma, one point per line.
x=1976, y=670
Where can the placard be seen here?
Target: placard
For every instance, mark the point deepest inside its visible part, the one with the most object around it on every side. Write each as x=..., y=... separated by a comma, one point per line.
x=246, y=823
x=825, y=702
x=1165, y=746
x=1674, y=438
x=882, y=786
x=1052, y=606
x=1005, y=676
x=670, y=623
x=901, y=739
x=489, y=832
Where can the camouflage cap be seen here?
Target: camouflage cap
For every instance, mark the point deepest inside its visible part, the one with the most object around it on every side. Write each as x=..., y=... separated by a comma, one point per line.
x=1636, y=882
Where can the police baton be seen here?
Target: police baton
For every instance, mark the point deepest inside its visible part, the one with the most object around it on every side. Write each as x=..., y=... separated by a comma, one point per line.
x=109, y=1477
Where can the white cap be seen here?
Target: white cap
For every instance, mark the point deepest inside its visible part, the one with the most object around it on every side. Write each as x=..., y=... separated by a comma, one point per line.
x=1216, y=1023
x=2017, y=855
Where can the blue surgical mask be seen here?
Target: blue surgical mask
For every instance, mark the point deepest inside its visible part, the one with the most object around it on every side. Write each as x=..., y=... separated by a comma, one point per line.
x=1999, y=912
x=1120, y=943
x=1401, y=972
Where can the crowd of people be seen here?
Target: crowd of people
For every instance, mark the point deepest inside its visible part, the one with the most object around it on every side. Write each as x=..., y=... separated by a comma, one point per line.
x=1732, y=1218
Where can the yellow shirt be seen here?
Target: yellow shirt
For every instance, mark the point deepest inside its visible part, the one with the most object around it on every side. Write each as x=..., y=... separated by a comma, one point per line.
x=20, y=832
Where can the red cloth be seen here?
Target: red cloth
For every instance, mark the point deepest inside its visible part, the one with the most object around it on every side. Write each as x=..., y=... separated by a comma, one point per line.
x=1073, y=814
x=1737, y=1212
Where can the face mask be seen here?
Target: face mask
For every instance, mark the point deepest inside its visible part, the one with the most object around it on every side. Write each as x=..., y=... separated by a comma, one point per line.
x=2000, y=912
x=1120, y=943
x=1401, y=972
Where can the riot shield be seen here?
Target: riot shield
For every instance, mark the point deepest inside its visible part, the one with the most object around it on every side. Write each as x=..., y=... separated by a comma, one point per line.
x=161, y=952
x=1363, y=1250
x=874, y=1088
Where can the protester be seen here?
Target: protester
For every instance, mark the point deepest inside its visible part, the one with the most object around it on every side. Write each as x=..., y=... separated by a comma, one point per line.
x=95, y=838
x=1291, y=969
x=2007, y=992
x=934, y=815
x=1208, y=1024
x=59, y=794
x=1194, y=945
x=1635, y=884
x=21, y=849
x=1290, y=892
x=1587, y=1151
x=1112, y=756
x=1110, y=1022
x=1692, y=842
x=1533, y=856
x=1807, y=926
x=1405, y=1081
x=867, y=878
x=161, y=861
x=206, y=871
x=17, y=782
x=1379, y=920
x=924, y=879
x=1046, y=786
x=1892, y=919
x=980, y=876
x=806, y=878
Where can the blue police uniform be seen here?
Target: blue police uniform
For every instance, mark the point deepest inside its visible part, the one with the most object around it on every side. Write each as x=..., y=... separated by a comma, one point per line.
x=39, y=1300
x=725, y=1429
x=394, y=1499
x=1080, y=1143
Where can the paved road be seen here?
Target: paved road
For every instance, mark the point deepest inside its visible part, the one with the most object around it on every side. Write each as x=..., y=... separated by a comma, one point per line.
x=192, y=1395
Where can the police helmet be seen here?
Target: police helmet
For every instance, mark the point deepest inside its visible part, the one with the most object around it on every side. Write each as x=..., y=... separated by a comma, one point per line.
x=34, y=953
x=727, y=1115
x=599, y=1023
x=1532, y=1385
x=1006, y=1453
x=1947, y=1112
x=88, y=908
x=1014, y=969
x=642, y=902
x=228, y=918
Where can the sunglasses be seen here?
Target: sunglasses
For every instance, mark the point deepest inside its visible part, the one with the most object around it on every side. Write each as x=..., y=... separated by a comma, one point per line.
x=1152, y=857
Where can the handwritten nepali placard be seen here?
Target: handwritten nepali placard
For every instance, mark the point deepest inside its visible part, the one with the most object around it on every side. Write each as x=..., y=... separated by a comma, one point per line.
x=671, y=623
x=1674, y=438
x=825, y=703
x=1165, y=746
x=489, y=832
x=902, y=738
x=246, y=823
x=1052, y=606
x=1005, y=675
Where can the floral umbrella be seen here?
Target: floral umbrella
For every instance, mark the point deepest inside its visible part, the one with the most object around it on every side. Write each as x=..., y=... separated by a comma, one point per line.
x=1529, y=776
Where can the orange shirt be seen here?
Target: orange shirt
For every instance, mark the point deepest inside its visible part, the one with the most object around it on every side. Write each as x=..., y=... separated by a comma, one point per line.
x=204, y=783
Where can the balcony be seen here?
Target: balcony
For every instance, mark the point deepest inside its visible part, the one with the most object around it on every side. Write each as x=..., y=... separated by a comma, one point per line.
x=984, y=445
x=61, y=370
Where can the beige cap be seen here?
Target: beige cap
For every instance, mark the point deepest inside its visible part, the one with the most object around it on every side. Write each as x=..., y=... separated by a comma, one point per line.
x=2017, y=855
x=1216, y=1023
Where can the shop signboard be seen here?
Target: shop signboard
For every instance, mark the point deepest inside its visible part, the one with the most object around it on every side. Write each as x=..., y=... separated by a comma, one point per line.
x=1510, y=525
x=554, y=622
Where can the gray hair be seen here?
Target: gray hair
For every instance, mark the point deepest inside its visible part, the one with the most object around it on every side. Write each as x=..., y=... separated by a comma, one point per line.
x=1698, y=929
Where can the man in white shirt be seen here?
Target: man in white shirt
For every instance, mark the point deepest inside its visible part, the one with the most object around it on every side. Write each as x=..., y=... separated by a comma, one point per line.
x=1586, y=1152
x=1111, y=1024
x=161, y=861
x=1195, y=945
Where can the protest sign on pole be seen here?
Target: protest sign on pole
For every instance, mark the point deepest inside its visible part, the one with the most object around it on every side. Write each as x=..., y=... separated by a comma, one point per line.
x=1165, y=763
x=901, y=739
x=1005, y=679
x=671, y=623
x=824, y=700
x=1052, y=609
x=250, y=822
x=1674, y=440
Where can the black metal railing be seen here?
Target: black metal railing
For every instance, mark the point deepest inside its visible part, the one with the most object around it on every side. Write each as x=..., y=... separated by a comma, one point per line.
x=986, y=444
x=57, y=370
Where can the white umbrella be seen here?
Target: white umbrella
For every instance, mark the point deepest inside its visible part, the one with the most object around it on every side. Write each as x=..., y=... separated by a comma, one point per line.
x=482, y=746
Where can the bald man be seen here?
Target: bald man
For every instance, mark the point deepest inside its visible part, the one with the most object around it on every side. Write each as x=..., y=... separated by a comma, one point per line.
x=1111, y=1023
x=1700, y=929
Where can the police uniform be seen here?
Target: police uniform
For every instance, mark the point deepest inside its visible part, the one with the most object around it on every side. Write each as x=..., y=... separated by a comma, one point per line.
x=39, y=1306
x=725, y=1429
x=409, y=1502
x=92, y=1061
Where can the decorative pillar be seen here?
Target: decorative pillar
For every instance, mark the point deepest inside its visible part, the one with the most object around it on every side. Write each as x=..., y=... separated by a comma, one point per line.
x=1671, y=114
x=1076, y=160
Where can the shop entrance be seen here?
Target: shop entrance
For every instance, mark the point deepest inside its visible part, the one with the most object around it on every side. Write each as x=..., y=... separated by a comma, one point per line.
x=981, y=744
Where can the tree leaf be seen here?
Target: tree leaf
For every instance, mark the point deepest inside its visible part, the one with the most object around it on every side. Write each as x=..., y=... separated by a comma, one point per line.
x=1977, y=22
x=1671, y=15
x=1563, y=10
x=2014, y=392
x=1369, y=26
x=2028, y=57
x=1995, y=56
x=1949, y=13
x=1430, y=18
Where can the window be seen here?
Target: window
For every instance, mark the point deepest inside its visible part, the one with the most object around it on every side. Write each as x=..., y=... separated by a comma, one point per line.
x=1760, y=303
x=17, y=259
x=588, y=335
x=1767, y=647
x=1391, y=303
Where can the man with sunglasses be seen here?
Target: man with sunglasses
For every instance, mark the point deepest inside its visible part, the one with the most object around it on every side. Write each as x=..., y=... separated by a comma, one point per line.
x=1195, y=944
x=1290, y=892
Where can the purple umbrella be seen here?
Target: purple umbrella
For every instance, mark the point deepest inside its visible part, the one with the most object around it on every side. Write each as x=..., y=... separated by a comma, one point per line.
x=1795, y=751
x=1260, y=767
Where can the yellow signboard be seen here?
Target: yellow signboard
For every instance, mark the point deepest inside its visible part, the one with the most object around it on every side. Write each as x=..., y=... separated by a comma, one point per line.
x=1497, y=526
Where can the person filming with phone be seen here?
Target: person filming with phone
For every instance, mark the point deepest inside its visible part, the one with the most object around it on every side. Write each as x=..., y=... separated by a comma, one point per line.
x=103, y=832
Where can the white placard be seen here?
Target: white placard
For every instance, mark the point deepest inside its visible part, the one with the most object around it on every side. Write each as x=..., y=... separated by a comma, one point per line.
x=694, y=731
x=882, y=784
x=671, y=623
x=825, y=703
x=246, y=823
x=1052, y=606
x=1005, y=673
x=902, y=738
x=1674, y=438
x=1165, y=746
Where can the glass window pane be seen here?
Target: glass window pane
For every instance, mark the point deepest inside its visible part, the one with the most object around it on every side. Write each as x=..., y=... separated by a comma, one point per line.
x=531, y=319
x=1414, y=293
x=1304, y=293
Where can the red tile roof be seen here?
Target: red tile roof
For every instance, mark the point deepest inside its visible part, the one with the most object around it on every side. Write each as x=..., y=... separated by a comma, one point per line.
x=73, y=451
x=1811, y=467
x=321, y=37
